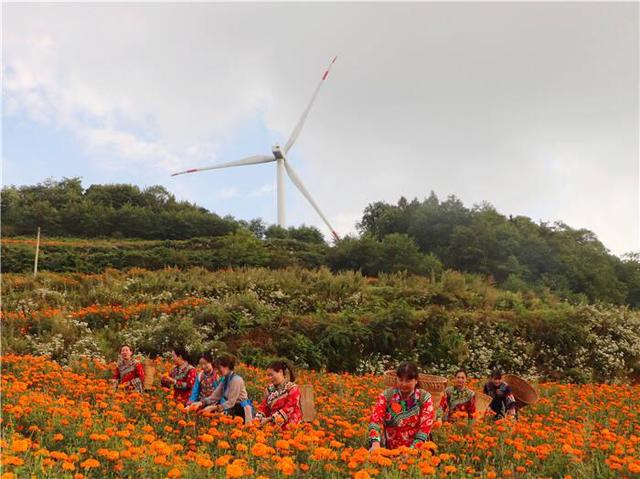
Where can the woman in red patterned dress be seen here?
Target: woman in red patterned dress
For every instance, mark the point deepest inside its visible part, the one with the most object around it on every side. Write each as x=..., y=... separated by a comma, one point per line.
x=404, y=414
x=281, y=404
x=182, y=377
x=128, y=371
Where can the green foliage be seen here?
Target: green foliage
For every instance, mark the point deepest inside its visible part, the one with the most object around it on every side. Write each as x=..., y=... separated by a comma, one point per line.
x=64, y=208
x=516, y=252
x=317, y=319
x=417, y=237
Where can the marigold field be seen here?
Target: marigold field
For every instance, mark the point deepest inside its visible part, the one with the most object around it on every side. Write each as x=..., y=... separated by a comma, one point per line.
x=68, y=422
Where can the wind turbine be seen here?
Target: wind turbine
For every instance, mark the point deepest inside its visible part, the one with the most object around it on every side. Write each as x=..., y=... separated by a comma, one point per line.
x=279, y=156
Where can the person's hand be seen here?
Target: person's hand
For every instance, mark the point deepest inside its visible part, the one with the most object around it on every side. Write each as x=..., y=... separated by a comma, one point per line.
x=211, y=408
x=264, y=421
x=219, y=408
x=374, y=445
x=194, y=406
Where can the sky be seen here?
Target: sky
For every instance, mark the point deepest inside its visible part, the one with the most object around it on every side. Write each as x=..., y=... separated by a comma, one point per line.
x=532, y=107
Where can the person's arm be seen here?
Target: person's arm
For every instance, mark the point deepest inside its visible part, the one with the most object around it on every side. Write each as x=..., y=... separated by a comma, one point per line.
x=235, y=388
x=195, y=391
x=376, y=423
x=116, y=374
x=140, y=372
x=427, y=417
x=292, y=403
x=471, y=411
x=188, y=382
x=444, y=405
x=509, y=401
x=215, y=396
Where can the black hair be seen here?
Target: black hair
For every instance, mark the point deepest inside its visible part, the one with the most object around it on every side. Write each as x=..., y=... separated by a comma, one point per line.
x=496, y=374
x=208, y=357
x=283, y=366
x=183, y=353
x=408, y=370
x=226, y=361
x=461, y=371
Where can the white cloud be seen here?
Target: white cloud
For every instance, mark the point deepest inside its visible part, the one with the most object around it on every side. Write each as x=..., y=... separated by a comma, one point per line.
x=128, y=146
x=263, y=190
x=227, y=193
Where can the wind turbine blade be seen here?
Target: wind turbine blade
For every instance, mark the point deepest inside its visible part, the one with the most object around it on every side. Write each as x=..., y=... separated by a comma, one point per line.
x=296, y=131
x=295, y=179
x=250, y=160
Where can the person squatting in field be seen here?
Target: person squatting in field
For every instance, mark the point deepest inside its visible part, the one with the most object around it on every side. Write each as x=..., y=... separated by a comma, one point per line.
x=282, y=399
x=230, y=396
x=404, y=414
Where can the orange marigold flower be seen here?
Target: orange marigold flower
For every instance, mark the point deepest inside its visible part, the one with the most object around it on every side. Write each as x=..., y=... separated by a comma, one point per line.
x=234, y=471
x=174, y=473
x=89, y=464
x=20, y=445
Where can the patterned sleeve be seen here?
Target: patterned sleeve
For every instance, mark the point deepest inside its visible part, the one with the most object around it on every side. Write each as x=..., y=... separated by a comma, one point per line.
x=190, y=380
x=376, y=423
x=263, y=408
x=427, y=416
x=291, y=405
x=116, y=373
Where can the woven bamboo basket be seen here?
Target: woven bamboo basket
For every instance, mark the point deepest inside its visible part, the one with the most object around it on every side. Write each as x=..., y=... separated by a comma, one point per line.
x=307, y=402
x=433, y=384
x=436, y=397
x=482, y=403
x=149, y=373
x=524, y=393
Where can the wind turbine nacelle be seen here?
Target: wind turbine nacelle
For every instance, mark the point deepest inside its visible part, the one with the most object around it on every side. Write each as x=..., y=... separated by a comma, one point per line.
x=277, y=153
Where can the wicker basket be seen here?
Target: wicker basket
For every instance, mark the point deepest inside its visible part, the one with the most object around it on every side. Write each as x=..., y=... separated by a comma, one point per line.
x=149, y=373
x=307, y=402
x=524, y=393
x=482, y=403
x=433, y=384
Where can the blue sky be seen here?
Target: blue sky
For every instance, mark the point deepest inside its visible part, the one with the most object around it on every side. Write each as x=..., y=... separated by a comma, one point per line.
x=532, y=107
x=33, y=151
